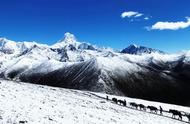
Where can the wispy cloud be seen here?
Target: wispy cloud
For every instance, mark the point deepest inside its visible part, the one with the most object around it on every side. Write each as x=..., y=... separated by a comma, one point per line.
x=146, y=18
x=134, y=16
x=170, y=25
x=130, y=14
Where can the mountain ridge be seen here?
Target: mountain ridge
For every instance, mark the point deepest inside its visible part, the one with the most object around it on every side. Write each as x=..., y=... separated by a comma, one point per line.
x=152, y=76
x=139, y=50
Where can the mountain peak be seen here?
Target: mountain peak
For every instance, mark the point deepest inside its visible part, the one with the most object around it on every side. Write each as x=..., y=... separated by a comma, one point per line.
x=134, y=46
x=7, y=46
x=2, y=39
x=69, y=35
x=68, y=41
x=135, y=49
x=69, y=38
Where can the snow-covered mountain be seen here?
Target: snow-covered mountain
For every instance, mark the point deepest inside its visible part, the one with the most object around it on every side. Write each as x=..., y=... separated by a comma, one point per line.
x=79, y=65
x=70, y=43
x=23, y=103
x=12, y=47
x=139, y=50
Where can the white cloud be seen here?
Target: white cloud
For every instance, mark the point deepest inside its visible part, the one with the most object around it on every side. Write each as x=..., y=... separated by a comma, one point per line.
x=139, y=15
x=146, y=18
x=130, y=14
x=170, y=25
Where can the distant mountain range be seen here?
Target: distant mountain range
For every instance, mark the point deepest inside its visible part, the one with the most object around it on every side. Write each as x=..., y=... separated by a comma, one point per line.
x=139, y=50
x=136, y=71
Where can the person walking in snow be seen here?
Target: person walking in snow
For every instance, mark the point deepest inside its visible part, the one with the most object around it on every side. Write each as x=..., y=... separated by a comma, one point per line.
x=107, y=98
x=161, y=110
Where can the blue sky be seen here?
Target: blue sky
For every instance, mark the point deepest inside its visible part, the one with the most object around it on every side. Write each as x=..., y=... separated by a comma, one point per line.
x=160, y=24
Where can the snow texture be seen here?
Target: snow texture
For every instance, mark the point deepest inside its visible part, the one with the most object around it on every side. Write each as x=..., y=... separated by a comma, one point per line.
x=33, y=104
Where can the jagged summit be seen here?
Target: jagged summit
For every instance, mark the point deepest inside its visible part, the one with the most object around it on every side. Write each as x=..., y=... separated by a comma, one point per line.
x=134, y=45
x=8, y=46
x=2, y=39
x=69, y=42
x=12, y=47
x=69, y=38
x=138, y=50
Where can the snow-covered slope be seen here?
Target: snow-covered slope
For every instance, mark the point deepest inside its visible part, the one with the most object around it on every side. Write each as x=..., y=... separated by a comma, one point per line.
x=36, y=104
x=12, y=47
x=73, y=64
